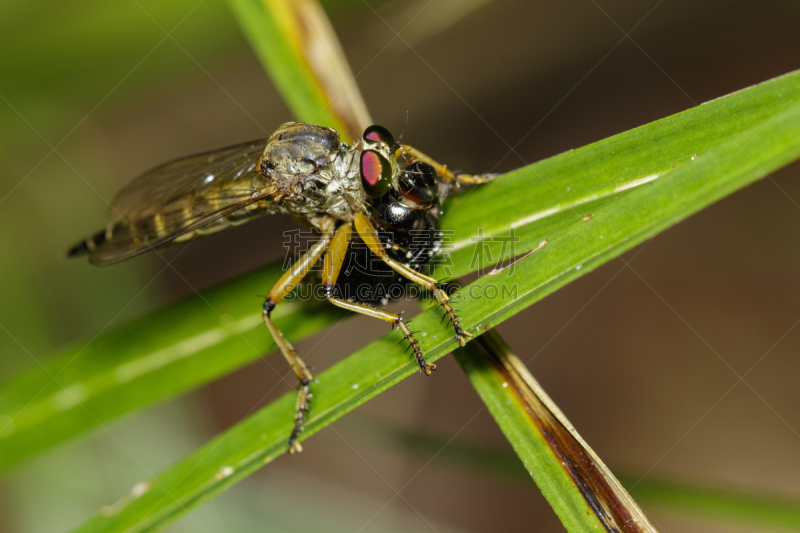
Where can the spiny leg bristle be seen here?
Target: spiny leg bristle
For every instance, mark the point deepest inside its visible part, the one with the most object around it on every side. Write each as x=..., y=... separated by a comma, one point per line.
x=414, y=345
x=302, y=407
x=449, y=311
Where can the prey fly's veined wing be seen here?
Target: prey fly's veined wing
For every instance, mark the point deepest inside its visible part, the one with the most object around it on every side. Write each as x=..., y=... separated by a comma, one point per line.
x=180, y=198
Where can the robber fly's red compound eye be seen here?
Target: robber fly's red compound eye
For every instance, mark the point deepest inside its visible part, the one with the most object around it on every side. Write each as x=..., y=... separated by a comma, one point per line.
x=376, y=173
x=379, y=134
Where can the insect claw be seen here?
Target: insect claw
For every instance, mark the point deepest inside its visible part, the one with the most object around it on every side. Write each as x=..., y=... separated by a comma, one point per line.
x=294, y=446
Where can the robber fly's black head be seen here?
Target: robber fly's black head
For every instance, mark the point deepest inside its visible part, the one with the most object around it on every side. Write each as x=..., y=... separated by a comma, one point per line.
x=378, y=166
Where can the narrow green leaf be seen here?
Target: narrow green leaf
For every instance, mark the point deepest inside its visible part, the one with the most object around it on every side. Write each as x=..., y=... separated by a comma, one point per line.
x=571, y=252
x=152, y=358
x=298, y=48
x=536, y=199
x=531, y=201
x=579, y=487
x=642, y=213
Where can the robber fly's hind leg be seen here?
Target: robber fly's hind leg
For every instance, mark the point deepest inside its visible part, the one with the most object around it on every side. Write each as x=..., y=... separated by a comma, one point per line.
x=334, y=258
x=368, y=234
x=284, y=286
x=448, y=176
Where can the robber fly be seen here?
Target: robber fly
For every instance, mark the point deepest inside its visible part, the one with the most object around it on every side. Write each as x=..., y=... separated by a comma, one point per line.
x=346, y=192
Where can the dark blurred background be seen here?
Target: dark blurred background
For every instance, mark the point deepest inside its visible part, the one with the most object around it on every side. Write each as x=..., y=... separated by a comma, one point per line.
x=643, y=360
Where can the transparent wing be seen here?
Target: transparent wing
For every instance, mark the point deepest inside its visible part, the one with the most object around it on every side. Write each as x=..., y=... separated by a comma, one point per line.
x=197, y=194
x=182, y=182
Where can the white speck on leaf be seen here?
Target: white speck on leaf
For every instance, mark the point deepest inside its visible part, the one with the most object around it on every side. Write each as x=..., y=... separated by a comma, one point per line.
x=355, y=386
x=140, y=488
x=224, y=472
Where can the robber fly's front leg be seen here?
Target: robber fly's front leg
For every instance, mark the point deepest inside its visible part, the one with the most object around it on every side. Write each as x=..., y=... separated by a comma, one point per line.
x=284, y=286
x=412, y=155
x=368, y=234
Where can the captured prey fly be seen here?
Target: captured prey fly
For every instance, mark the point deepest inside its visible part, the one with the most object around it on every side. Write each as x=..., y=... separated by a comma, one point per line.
x=368, y=198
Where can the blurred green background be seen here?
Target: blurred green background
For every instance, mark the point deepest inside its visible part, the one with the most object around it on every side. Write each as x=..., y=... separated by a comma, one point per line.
x=94, y=93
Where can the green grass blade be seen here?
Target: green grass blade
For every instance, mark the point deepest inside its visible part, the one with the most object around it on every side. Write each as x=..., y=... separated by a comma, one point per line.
x=580, y=489
x=641, y=213
x=571, y=252
x=298, y=48
x=531, y=200
x=538, y=199
x=150, y=359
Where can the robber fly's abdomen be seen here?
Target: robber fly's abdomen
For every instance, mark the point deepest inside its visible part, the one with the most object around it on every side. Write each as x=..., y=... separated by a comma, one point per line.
x=152, y=228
